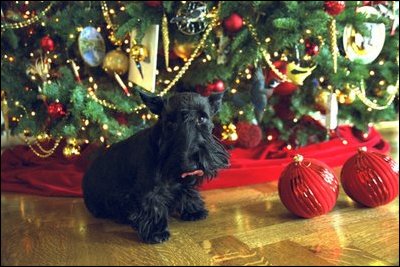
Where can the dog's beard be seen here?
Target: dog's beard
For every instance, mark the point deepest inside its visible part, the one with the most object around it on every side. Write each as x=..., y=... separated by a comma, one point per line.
x=212, y=156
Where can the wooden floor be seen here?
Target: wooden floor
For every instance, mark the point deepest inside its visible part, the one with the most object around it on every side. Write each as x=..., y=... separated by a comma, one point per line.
x=246, y=226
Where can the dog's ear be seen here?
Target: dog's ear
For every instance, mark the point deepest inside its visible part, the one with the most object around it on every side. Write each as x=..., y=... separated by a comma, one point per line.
x=153, y=102
x=215, y=101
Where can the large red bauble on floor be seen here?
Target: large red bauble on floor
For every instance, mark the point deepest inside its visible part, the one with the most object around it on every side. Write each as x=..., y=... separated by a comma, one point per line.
x=308, y=187
x=370, y=178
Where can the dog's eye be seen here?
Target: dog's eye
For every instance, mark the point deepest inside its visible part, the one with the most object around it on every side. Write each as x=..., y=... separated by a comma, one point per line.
x=201, y=119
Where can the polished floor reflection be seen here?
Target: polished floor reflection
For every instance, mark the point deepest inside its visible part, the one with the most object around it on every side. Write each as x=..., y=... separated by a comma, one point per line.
x=246, y=226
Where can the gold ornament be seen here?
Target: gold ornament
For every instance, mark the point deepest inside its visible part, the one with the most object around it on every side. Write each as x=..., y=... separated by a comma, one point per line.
x=181, y=72
x=321, y=100
x=334, y=49
x=165, y=35
x=72, y=148
x=348, y=96
x=40, y=68
x=184, y=50
x=70, y=151
x=139, y=53
x=298, y=74
x=5, y=111
x=116, y=61
x=72, y=141
x=229, y=132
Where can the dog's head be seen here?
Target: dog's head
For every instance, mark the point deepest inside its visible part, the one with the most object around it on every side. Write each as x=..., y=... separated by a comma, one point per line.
x=186, y=145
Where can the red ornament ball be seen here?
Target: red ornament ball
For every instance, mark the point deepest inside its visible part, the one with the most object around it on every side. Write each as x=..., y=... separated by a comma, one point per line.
x=285, y=88
x=282, y=108
x=370, y=178
x=249, y=135
x=219, y=86
x=209, y=88
x=203, y=90
x=47, y=44
x=121, y=119
x=215, y=87
x=153, y=3
x=312, y=49
x=56, y=110
x=334, y=8
x=282, y=88
x=233, y=23
x=308, y=187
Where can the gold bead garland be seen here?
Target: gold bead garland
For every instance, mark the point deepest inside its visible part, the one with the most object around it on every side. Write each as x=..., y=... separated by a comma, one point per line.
x=187, y=64
x=26, y=23
x=111, y=25
x=44, y=152
x=265, y=53
x=360, y=92
x=179, y=74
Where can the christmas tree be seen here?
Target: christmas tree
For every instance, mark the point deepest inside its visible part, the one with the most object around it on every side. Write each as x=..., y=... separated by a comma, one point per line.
x=289, y=70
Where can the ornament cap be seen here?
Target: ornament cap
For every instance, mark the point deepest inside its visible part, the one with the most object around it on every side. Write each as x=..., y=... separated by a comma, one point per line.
x=362, y=149
x=298, y=158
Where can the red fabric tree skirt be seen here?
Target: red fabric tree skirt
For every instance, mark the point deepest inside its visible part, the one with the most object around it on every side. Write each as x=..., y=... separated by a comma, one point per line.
x=22, y=171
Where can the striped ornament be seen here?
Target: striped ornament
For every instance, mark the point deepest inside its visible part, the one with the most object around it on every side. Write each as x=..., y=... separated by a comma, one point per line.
x=308, y=187
x=370, y=178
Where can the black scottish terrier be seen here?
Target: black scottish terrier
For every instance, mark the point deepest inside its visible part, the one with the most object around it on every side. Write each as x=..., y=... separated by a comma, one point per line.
x=155, y=173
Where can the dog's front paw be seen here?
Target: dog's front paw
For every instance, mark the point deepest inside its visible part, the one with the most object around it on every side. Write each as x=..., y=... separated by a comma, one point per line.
x=157, y=237
x=194, y=216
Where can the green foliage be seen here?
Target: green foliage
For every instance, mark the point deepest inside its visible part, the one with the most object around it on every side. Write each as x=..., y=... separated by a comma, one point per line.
x=286, y=24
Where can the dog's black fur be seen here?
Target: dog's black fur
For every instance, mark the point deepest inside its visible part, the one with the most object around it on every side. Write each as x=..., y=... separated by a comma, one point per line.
x=139, y=180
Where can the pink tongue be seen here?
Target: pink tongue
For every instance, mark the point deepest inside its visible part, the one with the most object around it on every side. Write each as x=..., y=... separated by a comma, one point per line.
x=196, y=172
